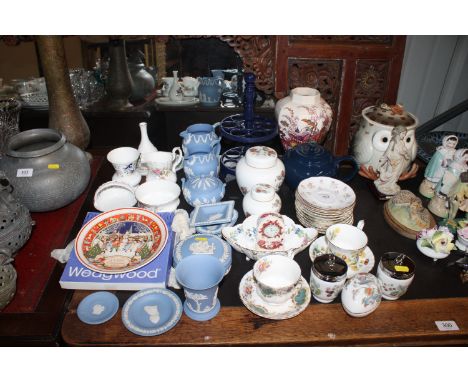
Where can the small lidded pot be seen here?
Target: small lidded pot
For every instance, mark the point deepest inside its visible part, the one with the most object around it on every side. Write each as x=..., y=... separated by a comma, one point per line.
x=327, y=277
x=260, y=199
x=396, y=273
x=361, y=295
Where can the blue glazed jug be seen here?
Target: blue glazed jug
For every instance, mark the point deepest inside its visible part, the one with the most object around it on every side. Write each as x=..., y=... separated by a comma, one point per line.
x=209, y=91
x=311, y=159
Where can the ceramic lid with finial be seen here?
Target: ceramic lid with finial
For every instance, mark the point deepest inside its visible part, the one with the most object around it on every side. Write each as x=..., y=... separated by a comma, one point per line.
x=261, y=157
x=397, y=265
x=330, y=268
x=390, y=115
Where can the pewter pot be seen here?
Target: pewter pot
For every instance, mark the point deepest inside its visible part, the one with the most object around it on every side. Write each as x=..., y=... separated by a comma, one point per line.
x=46, y=172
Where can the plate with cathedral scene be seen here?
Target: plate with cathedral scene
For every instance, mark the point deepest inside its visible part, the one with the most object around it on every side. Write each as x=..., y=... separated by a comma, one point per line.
x=121, y=240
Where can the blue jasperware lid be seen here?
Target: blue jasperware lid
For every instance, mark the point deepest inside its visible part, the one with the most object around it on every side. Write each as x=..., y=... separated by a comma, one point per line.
x=204, y=244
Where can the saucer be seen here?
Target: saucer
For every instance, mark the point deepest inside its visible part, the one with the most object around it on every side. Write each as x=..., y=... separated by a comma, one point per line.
x=297, y=304
x=186, y=101
x=365, y=262
x=97, y=308
x=132, y=179
x=151, y=312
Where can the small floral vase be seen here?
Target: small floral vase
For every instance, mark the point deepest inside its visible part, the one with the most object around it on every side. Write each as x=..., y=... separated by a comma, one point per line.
x=306, y=117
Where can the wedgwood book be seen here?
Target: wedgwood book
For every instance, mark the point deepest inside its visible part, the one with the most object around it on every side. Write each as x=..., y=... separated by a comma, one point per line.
x=152, y=275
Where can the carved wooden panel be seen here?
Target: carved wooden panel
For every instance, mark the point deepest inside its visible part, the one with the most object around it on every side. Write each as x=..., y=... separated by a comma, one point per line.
x=370, y=88
x=324, y=75
x=349, y=39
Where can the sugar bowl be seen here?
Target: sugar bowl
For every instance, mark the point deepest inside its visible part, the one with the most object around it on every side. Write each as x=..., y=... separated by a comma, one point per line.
x=327, y=277
x=361, y=295
x=396, y=273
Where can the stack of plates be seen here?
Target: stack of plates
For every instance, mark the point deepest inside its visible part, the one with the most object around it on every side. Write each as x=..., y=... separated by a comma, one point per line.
x=323, y=201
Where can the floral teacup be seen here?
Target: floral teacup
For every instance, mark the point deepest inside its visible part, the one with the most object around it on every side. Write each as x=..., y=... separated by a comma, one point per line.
x=346, y=241
x=276, y=276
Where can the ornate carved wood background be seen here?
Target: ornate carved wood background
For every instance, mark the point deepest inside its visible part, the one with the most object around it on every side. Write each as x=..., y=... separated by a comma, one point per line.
x=351, y=72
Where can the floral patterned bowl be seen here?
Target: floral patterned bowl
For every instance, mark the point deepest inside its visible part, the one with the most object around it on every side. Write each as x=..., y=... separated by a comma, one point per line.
x=243, y=238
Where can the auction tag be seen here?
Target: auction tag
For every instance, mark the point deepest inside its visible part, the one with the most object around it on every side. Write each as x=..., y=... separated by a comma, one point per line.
x=401, y=268
x=201, y=238
x=445, y=326
x=24, y=172
x=53, y=166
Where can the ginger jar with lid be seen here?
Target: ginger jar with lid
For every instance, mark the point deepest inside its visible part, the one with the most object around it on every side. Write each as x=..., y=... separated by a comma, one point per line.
x=259, y=165
x=260, y=199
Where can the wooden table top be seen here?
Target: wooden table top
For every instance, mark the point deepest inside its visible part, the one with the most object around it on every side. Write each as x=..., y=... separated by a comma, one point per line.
x=436, y=295
x=410, y=322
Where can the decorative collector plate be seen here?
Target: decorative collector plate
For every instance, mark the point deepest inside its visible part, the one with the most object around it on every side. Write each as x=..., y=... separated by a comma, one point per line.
x=364, y=264
x=428, y=143
x=121, y=240
x=298, y=302
x=151, y=312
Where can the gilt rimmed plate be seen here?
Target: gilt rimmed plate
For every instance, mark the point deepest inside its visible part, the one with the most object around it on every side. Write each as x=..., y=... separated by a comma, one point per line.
x=364, y=264
x=298, y=302
x=151, y=312
x=121, y=240
x=325, y=192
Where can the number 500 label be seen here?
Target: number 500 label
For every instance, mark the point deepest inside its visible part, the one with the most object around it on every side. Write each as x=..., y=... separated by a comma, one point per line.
x=447, y=325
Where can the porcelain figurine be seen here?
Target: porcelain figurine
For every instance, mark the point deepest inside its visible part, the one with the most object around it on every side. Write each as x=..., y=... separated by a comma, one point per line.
x=259, y=165
x=311, y=159
x=407, y=210
x=260, y=199
x=361, y=295
x=437, y=165
x=447, y=185
x=435, y=242
x=374, y=135
x=201, y=165
x=394, y=161
x=203, y=190
x=306, y=117
x=200, y=138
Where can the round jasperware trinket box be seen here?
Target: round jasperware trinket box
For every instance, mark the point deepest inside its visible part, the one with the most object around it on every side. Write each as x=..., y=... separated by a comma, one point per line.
x=204, y=244
x=361, y=295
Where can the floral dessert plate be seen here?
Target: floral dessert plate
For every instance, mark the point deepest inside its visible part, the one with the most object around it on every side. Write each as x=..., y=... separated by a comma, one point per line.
x=121, y=240
x=298, y=302
x=97, y=308
x=243, y=238
x=151, y=312
x=364, y=264
x=326, y=192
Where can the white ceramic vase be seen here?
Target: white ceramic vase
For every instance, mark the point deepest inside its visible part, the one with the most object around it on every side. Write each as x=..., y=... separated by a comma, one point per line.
x=145, y=145
x=259, y=165
x=304, y=117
